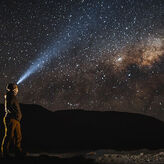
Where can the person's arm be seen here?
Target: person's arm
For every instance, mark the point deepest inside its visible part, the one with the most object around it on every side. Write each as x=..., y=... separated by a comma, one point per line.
x=16, y=108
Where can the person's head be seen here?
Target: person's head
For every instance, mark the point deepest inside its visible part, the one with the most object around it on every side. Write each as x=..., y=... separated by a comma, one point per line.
x=11, y=87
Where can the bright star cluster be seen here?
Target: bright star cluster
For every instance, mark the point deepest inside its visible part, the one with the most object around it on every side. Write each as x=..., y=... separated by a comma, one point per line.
x=85, y=54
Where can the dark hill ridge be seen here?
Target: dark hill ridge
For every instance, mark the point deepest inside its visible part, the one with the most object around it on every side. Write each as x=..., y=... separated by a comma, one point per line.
x=68, y=130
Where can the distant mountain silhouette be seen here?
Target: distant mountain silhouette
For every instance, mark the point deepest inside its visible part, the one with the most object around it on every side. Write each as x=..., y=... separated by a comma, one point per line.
x=71, y=130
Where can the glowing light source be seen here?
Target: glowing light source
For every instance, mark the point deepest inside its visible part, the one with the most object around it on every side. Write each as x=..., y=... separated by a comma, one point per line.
x=69, y=36
x=119, y=59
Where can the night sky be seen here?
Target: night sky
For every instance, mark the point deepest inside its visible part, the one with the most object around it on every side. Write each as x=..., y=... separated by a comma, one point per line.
x=84, y=54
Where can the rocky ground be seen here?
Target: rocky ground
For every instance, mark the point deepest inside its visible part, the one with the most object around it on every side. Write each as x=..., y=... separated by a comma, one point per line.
x=127, y=157
x=94, y=157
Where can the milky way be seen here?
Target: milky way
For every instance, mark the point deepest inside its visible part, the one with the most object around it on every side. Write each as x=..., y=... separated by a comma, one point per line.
x=92, y=55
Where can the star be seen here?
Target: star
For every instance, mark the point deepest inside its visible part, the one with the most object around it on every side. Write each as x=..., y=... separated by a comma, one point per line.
x=92, y=55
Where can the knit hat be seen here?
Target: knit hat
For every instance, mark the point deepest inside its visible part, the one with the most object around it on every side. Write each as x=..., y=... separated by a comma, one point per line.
x=11, y=86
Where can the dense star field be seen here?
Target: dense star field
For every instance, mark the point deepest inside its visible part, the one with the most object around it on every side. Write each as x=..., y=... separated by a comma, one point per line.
x=87, y=54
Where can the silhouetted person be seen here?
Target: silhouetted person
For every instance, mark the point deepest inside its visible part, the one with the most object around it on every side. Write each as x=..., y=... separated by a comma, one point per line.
x=12, y=120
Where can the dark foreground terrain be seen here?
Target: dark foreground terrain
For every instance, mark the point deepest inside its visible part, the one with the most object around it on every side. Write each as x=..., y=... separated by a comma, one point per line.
x=105, y=156
x=88, y=132
x=42, y=158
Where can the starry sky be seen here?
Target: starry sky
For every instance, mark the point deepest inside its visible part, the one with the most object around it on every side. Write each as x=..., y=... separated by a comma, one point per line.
x=84, y=54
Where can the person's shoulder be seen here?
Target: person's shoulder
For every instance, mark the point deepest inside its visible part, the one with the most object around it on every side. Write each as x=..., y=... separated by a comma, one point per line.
x=13, y=97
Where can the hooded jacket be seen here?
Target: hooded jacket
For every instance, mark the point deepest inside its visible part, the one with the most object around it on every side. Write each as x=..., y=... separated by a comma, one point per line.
x=13, y=107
